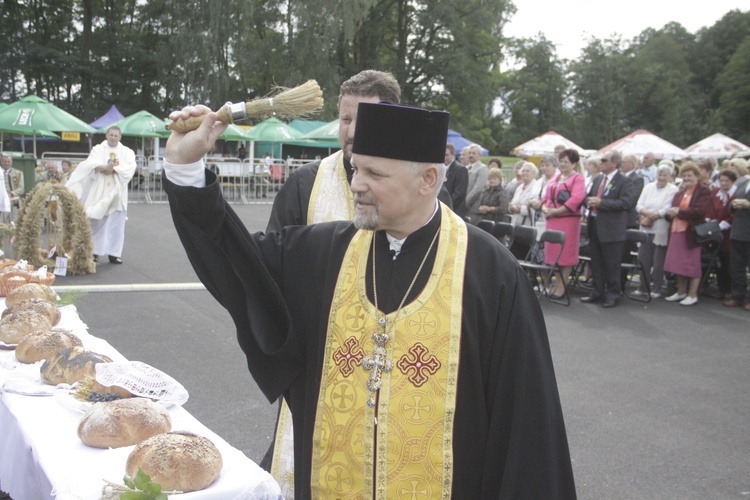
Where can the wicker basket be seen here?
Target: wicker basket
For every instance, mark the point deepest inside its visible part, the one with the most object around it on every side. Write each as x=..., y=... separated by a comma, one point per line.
x=12, y=280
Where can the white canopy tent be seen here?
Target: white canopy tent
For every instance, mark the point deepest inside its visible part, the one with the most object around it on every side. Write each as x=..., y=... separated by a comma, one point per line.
x=718, y=146
x=640, y=142
x=545, y=145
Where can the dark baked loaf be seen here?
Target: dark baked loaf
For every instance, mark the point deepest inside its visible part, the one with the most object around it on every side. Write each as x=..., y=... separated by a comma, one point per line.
x=70, y=365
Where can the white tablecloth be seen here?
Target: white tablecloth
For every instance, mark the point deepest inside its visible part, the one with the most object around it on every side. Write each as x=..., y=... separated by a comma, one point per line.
x=41, y=455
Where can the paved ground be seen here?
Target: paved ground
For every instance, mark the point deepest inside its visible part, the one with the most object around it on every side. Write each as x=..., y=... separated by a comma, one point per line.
x=655, y=396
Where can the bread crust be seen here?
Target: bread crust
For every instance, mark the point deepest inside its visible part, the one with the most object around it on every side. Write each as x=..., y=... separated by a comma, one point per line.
x=38, y=305
x=179, y=461
x=123, y=422
x=71, y=364
x=44, y=344
x=17, y=325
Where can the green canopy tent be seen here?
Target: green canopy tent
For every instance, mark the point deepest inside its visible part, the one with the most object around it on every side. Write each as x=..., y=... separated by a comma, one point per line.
x=305, y=126
x=326, y=132
x=325, y=136
x=271, y=133
x=234, y=133
x=34, y=116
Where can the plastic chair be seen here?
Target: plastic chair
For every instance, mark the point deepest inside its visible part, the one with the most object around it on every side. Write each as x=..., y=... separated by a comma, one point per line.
x=503, y=231
x=540, y=273
x=633, y=266
x=486, y=225
x=538, y=270
x=710, y=260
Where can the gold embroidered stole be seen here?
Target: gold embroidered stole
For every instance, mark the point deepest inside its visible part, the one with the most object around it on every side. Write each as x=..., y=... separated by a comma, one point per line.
x=331, y=196
x=330, y=199
x=403, y=446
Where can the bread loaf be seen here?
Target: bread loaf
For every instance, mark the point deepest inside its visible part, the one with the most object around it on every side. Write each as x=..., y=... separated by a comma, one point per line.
x=38, y=305
x=71, y=364
x=177, y=461
x=123, y=422
x=17, y=325
x=30, y=291
x=44, y=344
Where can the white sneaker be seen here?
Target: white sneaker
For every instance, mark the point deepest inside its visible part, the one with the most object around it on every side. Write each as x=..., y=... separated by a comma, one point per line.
x=639, y=293
x=655, y=295
x=689, y=301
x=675, y=297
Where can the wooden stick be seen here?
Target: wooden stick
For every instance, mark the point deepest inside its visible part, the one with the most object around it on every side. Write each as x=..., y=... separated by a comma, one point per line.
x=286, y=103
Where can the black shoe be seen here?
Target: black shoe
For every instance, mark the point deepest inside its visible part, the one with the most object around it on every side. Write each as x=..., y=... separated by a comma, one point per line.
x=609, y=303
x=115, y=260
x=590, y=299
x=96, y=259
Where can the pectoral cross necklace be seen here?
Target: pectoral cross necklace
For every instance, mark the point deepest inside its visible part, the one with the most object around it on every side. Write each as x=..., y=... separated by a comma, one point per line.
x=379, y=362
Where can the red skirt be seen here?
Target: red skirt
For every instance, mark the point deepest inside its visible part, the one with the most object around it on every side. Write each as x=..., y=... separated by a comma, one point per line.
x=681, y=259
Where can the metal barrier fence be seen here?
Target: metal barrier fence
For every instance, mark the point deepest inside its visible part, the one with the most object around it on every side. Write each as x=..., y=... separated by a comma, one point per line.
x=242, y=181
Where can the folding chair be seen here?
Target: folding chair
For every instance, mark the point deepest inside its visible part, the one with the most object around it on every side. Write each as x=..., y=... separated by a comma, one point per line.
x=538, y=270
x=633, y=266
x=486, y=225
x=503, y=231
x=584, y=260
x=710, y=262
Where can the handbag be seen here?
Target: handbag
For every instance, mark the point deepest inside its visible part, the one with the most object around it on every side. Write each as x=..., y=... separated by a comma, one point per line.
x=563, y=196
x=706, y=231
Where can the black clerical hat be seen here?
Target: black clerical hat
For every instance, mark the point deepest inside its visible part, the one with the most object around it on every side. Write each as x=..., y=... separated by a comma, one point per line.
x=401, y=132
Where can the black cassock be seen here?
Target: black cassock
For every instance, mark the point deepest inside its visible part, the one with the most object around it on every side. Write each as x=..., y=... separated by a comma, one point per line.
x=509, y=435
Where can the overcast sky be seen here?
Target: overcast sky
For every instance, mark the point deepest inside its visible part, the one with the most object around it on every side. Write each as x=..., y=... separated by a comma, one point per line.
x=569, y=24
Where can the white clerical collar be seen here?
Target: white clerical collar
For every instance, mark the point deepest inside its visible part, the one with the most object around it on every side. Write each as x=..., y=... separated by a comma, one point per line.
x=396, y=245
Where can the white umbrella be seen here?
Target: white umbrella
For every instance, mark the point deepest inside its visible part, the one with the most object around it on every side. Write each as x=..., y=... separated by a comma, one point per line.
x=717, y=146
x=641, y=142
x=545, y=145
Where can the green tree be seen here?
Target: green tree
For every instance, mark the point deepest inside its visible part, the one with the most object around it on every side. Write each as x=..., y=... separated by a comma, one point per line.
x=660, y=95
x=533, y=93
x=598, y=97
x=734, y=88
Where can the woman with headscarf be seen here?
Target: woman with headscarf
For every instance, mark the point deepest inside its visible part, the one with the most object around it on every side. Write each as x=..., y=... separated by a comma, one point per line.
x=690, y=207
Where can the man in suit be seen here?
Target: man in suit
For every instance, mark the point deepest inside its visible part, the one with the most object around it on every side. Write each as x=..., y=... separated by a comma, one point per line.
x=456, y=180
x=609, y=200
x=14, y=187
x=478, y=173
x=739, y=257
x=628, y=169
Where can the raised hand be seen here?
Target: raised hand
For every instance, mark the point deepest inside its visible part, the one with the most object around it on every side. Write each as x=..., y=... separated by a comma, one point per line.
x=192, y=146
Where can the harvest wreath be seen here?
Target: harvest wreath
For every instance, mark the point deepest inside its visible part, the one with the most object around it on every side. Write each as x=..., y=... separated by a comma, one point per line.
x=76, y=232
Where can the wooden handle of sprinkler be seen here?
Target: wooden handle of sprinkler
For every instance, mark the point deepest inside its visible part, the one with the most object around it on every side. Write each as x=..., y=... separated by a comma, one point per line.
x=192, y=123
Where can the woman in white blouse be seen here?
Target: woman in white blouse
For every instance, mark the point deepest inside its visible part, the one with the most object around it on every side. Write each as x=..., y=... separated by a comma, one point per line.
x=520, y=212
x=548, y=168
x=655, y=200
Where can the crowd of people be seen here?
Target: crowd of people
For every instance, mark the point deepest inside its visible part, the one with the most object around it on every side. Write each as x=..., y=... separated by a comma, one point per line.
x=610, y=193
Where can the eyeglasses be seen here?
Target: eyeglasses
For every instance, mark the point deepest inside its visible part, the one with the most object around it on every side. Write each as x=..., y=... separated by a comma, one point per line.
x=606, y=160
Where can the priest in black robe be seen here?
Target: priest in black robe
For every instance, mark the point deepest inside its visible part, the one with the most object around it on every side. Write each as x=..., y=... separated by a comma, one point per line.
x=409, y=347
